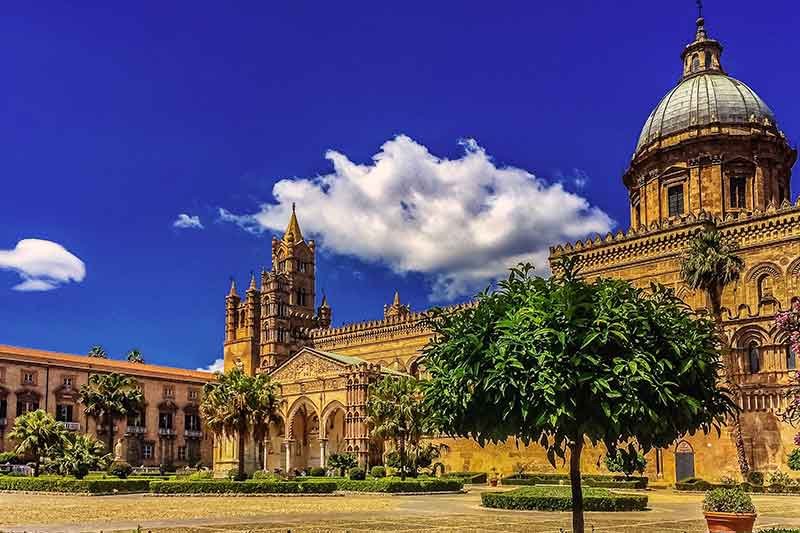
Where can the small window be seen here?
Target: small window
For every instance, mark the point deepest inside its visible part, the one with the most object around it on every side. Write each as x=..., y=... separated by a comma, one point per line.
x=26, y=406
x=181, y=453
x=709, y=61
x=169, y=391
x=791, y=359
x=67, y=382
x=165, y=421
x=695, y=63
x=675, y=200
x=638, y=215
x=738, y=192
x=147, y=451
x=752, y=351
x=191, y=422
x=64, y=413
x=192, y=394
x=28, y=378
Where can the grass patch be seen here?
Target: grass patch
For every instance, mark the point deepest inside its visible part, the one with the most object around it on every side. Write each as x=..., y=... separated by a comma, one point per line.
x=560, y=499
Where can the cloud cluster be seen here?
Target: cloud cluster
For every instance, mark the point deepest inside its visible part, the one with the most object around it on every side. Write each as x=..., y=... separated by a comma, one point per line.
x=185, y=221
x=216, y=366
x=42, y=265
x=462, y=221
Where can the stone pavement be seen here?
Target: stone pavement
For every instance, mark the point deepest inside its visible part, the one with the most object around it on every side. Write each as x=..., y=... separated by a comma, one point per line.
x=669, y=513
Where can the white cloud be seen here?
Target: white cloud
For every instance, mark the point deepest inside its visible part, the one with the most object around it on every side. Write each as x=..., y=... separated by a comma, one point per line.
x=42, y=265
x=185, y=221
x=216, y=366
x=462, y=221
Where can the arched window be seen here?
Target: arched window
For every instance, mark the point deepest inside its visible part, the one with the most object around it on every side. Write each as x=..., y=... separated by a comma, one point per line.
x=675, y=200
x=764, y=288
x=791, y=358
x=738, y=186
x=695, y=63
x=752, y=355
x=708, y=60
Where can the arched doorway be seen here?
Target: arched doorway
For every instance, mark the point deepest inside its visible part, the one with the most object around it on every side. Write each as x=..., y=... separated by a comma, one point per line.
x=274, y=457
x=684, y=461
x=333, y=432
x=303, y=442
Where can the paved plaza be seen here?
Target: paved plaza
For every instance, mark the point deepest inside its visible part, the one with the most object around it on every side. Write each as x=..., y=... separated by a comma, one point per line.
x=669, y=513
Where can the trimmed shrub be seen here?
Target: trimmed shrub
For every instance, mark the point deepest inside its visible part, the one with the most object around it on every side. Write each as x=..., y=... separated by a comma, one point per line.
x=378, y=471
x=779, y=478
x=778, y=530
x=261, y=475
x=202, y=475
x=695, y=484
x=793, y=460
x=235, y=487
x=395, y=485
x=476, y=478
x=357, y=474
x=599, y=481
x=728, y=501
x=317, y=471
x=560, y=499
x=755, y=478
x=121, y=469
x=233, y=475
x=65, y=484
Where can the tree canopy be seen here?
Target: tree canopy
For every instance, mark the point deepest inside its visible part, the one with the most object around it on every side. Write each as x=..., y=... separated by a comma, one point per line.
x=560, y=360
x=109, y=397
x=97, y=351
x=237, y=404
x=36, y=434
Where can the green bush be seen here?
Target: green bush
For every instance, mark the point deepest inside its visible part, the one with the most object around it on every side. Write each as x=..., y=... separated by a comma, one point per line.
x=778, y=530
x=755, y=478
x=233, y=475
x=695, y=484
x=599, y=480
x=626, y=462
x=65, y=484
x=395, y=485
x=476, y=478
x=357, y=474
x=727, y=500
x=121, y=469
x=10, y=458
x=262, y=475
x=560, y=499
x=317, y=471
x=378, y=471
x=779, y=478
x=202, y=475
x=235, y=487
x=793, y=460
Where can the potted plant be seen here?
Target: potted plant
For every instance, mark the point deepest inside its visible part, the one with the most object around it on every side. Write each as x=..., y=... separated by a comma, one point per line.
x=729, y=510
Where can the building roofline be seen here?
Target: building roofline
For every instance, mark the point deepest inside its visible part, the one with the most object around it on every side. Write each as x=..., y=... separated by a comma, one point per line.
x=93, y=364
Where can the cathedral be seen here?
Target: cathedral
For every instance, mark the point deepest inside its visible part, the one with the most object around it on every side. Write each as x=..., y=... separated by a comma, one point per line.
x=710, y=153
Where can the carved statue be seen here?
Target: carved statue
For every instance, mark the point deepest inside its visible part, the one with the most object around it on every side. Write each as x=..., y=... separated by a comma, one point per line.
x=118, y=450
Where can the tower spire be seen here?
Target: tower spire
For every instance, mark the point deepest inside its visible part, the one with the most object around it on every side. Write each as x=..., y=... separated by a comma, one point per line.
x=252, y=282
x=293, y=233
x=703, y=54
x=232, y=291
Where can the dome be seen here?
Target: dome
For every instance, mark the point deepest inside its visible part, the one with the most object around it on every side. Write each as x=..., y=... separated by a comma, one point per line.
x=704, y=99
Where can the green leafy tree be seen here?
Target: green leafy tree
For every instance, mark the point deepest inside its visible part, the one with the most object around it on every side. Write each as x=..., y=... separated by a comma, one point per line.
x=397, y=412
x=626, y=462
x=563, y=361
x=108, y=398
x=36, y=433
x=76, y=455
x=342, y=462
x=237, y=405
x=135, y=356
x=98, y=352
x=710, y=264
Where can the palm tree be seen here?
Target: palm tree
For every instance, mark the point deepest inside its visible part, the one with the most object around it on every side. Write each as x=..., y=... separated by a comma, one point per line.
x=397, y=412
x=135, y=356
x=238, y=404
x=108, y=398
x=36, y=432
x=97, y=351
x=77, y=455
x=710, y=264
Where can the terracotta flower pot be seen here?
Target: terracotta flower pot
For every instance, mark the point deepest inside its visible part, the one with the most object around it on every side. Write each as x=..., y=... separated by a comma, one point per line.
x=730, y=522
x=493, y=482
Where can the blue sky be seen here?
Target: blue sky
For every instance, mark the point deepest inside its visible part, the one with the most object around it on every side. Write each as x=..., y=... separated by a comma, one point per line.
x=117, y=118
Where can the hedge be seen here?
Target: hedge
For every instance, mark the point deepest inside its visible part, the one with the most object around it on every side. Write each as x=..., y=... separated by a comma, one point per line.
x=778, y=530
x=599, y=481
x=82, y=486
x=475, y=478
x=701, y=485
x=238, y=487
x=395, y=485
x=560, y=499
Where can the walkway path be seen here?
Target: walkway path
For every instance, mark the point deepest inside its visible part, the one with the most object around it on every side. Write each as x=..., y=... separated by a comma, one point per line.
x=669, y=513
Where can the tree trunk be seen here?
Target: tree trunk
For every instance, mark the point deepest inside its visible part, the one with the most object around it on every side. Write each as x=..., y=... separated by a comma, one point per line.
x=715, y=298
x=37, y=463
x=575, y=483
x=240, y=474
x=111, y=436
x=402, y=458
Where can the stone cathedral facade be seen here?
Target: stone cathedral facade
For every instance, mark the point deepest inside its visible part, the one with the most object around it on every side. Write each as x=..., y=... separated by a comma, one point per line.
x=711, y=152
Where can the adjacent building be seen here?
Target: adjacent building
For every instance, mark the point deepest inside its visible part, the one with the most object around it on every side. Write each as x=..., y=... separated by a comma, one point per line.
x=167, y=430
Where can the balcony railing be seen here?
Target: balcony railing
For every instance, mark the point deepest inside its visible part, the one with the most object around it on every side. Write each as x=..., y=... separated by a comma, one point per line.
x=71, y=426
x=192, y=433
x=166, y=432
x=136, y=430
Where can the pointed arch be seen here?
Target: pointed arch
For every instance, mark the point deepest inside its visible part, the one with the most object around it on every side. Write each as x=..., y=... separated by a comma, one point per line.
x=302, y=401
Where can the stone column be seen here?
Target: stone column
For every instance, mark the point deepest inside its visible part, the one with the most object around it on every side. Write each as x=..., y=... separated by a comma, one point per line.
x=288, y=446
x=323, y=452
